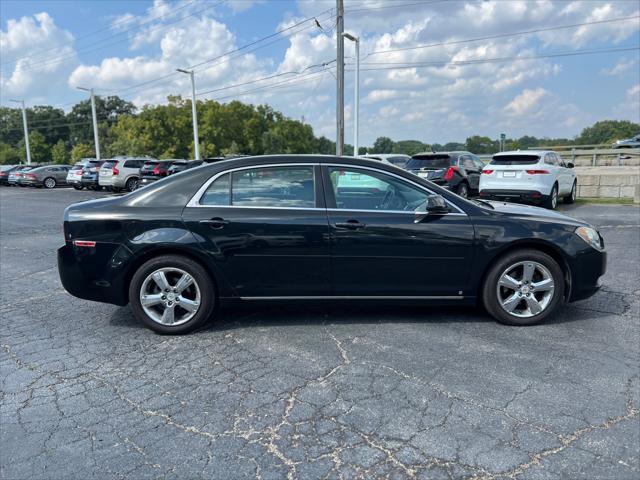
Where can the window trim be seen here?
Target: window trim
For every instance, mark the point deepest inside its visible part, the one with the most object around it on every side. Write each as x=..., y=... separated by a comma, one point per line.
x=194, y=202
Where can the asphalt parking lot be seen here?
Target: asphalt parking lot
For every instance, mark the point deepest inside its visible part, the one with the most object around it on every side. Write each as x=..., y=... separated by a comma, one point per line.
x=326, y=392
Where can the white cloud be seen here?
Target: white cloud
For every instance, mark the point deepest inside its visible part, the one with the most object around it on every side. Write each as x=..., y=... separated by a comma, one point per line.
x=623, y=66
x=38, y=55
x=526, y=101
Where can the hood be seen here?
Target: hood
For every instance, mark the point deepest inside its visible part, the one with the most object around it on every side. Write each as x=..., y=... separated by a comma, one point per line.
x=534, y=213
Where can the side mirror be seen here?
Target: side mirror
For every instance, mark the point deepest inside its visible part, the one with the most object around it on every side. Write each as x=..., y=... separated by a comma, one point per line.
x=434, y=205
x=570, y=165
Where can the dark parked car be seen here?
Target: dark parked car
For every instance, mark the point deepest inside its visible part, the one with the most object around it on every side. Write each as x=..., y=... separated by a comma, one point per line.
x=310, y=228
x=457, y=171
x=153, y=170
x=5, y=171
x=182, y=165
x=90, y=175
x=49, y=176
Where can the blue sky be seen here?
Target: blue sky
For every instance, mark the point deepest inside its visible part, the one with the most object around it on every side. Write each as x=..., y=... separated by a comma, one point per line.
x=434, y=94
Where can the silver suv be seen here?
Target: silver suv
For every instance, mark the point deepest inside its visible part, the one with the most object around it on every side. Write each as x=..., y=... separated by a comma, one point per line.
x=121, y=173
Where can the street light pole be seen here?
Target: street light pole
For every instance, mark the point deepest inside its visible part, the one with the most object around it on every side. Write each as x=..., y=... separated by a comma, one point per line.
x=194, y=111
x=26, y=129
x=356, y=101
x=95, y=121
x=340, y=78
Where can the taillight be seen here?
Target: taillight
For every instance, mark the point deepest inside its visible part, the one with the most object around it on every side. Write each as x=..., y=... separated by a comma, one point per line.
x=115, y=170
x=84, y=243
x=449, y=173
x=156, y=170
x=487, y=172
x=30, y=175
x=537, y=172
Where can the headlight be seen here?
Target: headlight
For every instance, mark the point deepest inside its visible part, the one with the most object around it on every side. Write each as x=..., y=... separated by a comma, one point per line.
x=591, y=236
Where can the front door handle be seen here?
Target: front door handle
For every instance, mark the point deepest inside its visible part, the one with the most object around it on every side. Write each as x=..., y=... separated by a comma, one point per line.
x=350, y=225
x=215, y=222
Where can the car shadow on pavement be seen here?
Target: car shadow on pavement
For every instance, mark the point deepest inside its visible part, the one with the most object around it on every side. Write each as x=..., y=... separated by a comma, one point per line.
x=245, y=316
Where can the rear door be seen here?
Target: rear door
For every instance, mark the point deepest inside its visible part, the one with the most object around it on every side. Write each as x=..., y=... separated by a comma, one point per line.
x=266, y=229
x=378, y=249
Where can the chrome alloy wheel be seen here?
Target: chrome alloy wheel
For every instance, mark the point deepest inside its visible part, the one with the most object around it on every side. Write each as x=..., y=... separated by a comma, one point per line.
x=49, y=183
x=525, y=289
x=170, y=296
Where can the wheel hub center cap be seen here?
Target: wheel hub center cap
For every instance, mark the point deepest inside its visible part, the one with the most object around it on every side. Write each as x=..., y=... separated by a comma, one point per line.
x=171, y=297
x=525, y=289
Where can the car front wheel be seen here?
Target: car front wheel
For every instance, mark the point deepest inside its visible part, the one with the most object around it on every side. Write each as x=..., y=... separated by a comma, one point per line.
x=49, y=182
x=172, y=294
x=523, y=288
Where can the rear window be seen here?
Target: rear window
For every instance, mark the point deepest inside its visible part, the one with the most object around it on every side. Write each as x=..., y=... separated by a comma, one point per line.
x=515, y=160
x=107, y=165
x=429, y=161
x=77, y=166
x=150, y=164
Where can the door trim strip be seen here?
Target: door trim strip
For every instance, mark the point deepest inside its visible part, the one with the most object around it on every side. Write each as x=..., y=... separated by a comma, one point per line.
x=358, y=297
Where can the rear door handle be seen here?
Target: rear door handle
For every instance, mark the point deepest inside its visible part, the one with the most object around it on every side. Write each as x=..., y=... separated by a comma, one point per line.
x=349, y=225
x=216, y=222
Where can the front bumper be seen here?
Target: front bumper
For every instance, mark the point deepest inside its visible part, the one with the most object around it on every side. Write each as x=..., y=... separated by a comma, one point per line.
x=525, y=196
x=586, y=272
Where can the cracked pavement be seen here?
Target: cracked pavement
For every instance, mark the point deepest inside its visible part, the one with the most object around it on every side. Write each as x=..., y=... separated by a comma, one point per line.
x=323, y=392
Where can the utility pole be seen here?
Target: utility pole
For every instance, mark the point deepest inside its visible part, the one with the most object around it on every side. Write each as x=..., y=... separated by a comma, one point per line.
x=26, y=130
x=340, y=78
x=194, y=111
x=95, y=121
x=356, y=100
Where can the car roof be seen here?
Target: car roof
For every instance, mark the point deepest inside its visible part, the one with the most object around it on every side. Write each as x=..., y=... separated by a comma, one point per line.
x=453, y=152
x=384, y=155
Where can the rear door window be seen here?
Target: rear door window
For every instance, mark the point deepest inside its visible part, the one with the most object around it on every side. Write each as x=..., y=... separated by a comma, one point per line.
x=274, y=187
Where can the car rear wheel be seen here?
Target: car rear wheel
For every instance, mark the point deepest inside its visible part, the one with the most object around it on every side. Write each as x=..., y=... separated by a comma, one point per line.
x=571, y=198
x=78, y=187
x=523, y=288
x=552, y=201
x=132, y=184
x=172, y=294
x=49, y=182
x=463, y=190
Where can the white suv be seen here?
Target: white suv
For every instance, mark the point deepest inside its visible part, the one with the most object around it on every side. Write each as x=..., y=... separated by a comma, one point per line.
x=538, y=177
x=121, y=173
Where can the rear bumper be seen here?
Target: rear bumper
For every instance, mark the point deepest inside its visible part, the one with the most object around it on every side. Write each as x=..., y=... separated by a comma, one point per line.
x=525, y=196
x=94, y=273
x=89, y=182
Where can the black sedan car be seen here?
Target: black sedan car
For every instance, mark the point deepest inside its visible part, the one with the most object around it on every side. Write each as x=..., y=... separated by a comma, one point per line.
x=457, y=171
x=310, y=228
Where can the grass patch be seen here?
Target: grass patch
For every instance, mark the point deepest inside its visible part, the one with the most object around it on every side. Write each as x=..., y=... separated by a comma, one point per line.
x=606, y=201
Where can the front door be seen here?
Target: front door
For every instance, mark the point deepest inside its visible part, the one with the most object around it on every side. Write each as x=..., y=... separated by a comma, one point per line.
x=378, y=249
x=266, y=230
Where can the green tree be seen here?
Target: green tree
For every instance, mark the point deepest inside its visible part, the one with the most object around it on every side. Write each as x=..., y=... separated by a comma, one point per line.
x=324, y=146
x=59, y=153
x=383, y=145
x=479, y=145
x=108, y=111
x=8, y=154
x=409, y=147
x=38, y=148
x=80, y=151
x=607, y=131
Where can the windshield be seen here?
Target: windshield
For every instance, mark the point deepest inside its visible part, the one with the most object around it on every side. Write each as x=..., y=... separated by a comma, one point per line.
x=514, y=160
x=429, y=161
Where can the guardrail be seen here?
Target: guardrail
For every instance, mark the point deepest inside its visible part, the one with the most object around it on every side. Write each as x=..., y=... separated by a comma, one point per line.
x=601, y=157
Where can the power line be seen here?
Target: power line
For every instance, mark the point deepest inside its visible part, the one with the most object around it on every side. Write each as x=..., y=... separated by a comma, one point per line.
x=71, y=42
x=403, y=65
x=502, y=35
x=70, y=56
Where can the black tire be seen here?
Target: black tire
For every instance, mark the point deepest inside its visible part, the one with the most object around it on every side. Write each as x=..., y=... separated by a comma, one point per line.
x=199, y=275
x=552, y=202
x=49, y=182
x=131, y=184
x=78, y=187
x=571, y=198
x=490, y=287
x=116, y=189
x=463, y=189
